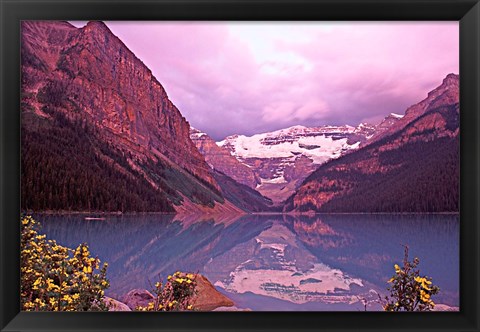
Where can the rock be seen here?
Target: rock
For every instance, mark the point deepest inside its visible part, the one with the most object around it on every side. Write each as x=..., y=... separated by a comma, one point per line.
x=207, y=297
x=231, y=309
x=444, y=307
x=115, y=305
x=220, y=159
x=137, y=297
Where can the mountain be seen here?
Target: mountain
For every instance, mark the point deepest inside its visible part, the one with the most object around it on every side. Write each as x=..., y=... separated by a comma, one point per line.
x=221, y=159
x=413, y=166
x=99, y=133
x=236, y=180
x=390, y=121
x=98, y=129
x=244, y=197
x=445, y=94
x=282, y=159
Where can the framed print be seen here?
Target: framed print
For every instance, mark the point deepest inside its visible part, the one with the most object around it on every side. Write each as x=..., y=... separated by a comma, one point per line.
x=202, y=165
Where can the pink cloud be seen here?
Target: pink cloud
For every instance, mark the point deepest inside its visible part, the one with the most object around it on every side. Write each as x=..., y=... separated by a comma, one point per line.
x=381, y=67
x=229, y=80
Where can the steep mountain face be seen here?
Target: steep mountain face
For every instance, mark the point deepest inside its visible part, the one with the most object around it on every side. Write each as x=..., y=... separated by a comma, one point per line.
x=445, y=94
x=282, y=159
x=244, y=197
x=385, y=125
x=236, y=180
x=91, y=106
x=221, y=159
x=413, y=166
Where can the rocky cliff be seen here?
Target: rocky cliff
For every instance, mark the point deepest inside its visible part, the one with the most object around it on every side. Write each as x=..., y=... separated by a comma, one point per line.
x=413, y=166
x=221, y=159
x=112, y=111
x=90, y=70
x=236, y=180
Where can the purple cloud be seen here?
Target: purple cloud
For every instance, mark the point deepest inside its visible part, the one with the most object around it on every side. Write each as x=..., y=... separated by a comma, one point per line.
x=245, y=78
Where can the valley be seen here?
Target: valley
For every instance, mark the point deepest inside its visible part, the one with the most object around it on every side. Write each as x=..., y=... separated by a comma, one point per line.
x=85, y=94
x=282, y=192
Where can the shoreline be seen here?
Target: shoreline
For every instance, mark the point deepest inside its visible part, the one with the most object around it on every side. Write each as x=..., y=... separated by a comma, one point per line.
x=266, y=213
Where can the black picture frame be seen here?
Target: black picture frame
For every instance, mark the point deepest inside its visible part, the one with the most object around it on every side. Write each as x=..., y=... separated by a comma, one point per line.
x=467, y=12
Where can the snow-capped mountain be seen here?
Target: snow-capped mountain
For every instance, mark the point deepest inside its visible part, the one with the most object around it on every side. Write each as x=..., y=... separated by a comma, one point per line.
x=317, y=143
x=282, y=159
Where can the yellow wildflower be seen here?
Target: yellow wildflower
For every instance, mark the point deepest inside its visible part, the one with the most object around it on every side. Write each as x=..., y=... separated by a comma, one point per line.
x=424, y=296
x=29, y=305
x=51, y=285
x=424, y=283
x=37, y=283
x=397, y=268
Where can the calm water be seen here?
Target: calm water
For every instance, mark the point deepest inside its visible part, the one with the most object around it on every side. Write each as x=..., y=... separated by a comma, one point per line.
x=326, y=262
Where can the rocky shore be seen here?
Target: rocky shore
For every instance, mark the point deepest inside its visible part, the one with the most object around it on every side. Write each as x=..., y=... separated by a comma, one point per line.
x=207, y=298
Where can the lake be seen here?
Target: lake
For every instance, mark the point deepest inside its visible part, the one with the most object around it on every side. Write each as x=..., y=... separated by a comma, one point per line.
x=271, y=262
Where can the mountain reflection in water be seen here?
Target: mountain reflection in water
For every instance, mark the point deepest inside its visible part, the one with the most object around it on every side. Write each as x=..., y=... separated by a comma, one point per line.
x=271, y=262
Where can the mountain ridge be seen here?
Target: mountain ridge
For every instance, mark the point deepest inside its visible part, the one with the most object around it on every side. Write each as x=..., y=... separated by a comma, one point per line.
x=89, y=82
x=411, y=167
x=103, y=116
x=283, y=158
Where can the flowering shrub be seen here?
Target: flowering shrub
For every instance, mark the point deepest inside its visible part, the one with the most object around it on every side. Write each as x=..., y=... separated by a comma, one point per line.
x=409, y=290
x=57, y=278
x=175, y=295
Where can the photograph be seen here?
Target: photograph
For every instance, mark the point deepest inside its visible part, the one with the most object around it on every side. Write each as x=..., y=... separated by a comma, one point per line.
x=295, y=166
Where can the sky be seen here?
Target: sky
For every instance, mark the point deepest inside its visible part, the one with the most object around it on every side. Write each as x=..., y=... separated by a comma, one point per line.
x=251, y=77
